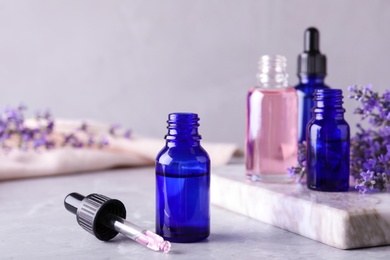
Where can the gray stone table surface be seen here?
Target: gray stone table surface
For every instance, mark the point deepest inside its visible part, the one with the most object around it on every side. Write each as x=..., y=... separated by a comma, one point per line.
x=35, y=225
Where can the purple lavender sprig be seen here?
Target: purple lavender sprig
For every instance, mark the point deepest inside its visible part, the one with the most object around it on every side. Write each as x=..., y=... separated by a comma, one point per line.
x=298, y=172
x=370, y=148
x=373, y=106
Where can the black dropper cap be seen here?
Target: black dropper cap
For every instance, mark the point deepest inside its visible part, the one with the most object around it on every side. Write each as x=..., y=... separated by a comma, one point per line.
x=311, y=61
x=93, y=211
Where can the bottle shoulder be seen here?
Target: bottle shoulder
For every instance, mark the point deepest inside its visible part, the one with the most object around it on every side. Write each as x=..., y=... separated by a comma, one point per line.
x=328, y=124
x=182, y=154
x=328, y=132
x=179, y=161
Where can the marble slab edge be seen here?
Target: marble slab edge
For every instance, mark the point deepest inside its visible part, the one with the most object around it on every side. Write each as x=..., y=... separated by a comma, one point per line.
x=343, y=220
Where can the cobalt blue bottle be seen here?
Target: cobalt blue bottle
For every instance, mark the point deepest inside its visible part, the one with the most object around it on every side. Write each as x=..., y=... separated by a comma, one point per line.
x=311, y=73
x=183, y=182
x=328, y=143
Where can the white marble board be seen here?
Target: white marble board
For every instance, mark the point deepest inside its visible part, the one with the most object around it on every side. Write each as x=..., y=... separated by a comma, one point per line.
x=340, y=219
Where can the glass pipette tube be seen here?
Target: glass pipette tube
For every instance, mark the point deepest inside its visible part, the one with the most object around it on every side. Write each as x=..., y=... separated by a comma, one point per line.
x=139, y=234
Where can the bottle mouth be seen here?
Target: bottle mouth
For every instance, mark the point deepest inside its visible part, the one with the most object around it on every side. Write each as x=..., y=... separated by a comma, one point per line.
x=183, y=118
x=183, y=126
x=272, y=71
x=273, y=62
x=328, y=98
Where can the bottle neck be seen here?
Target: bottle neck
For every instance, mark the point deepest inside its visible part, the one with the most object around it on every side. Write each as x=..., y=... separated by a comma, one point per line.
x=183, y=129
x=272, y=72
x=328, y=103
x=311, y=79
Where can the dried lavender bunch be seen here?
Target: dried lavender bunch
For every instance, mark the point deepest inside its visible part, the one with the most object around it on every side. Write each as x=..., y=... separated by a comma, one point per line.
x=370, y=148
x=15, y=132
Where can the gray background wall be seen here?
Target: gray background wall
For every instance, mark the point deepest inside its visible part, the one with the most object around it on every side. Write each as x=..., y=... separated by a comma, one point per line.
x=133, y=62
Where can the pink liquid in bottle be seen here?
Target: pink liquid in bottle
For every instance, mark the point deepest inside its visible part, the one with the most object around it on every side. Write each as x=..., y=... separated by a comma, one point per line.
x=271, y=132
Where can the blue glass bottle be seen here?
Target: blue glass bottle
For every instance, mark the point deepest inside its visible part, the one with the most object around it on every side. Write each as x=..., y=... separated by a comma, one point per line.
x=183, y=182
x=328, y=143
x=311, y=73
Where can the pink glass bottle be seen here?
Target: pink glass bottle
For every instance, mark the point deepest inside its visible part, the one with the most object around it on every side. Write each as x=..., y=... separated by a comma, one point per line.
x=272, y=116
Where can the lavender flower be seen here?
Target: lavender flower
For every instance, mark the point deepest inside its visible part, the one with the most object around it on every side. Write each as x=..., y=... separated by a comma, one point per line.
x=113, y=129
x=117, y=131
x=300, y=170
x=103, y=142
x=127, y=134
x=372, y=181
x=84, y=127
x=386, y=96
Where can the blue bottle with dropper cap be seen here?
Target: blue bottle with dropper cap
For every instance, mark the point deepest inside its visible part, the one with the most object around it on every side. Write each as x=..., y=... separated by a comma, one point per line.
x=311, y=73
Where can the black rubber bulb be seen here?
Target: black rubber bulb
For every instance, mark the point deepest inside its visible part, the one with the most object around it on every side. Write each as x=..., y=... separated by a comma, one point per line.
x=312, y=40
x=311, y=61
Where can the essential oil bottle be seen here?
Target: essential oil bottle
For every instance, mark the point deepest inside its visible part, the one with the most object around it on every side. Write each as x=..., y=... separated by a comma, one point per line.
x=183, y=182
x=328, y=143
x=271, y=130
x=311, y=73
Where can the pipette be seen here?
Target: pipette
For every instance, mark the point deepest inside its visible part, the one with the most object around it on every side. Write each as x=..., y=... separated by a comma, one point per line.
x=105, y=218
